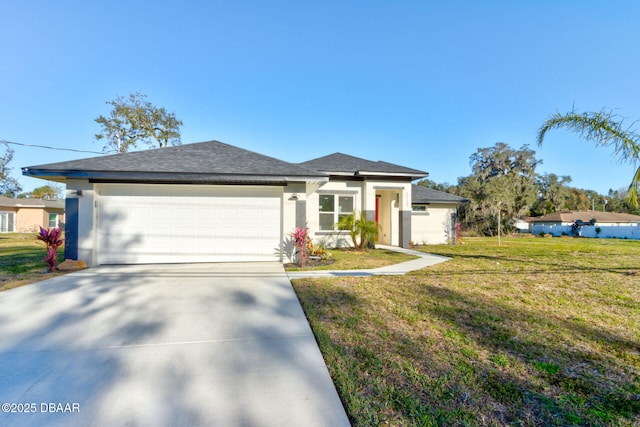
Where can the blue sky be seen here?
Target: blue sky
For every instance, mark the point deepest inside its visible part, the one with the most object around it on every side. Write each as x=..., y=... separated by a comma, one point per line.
x=418, y=83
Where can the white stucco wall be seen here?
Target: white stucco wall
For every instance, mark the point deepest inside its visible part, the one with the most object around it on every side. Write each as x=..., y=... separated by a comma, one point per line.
x=433, y=226
x=394, y=213
x=331, y=238
x=295, y=197
x=364, y=193
x=293, y=194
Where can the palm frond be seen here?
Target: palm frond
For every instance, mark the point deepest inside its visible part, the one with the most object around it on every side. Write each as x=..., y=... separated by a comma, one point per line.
x=603, y=128
x=632, y=192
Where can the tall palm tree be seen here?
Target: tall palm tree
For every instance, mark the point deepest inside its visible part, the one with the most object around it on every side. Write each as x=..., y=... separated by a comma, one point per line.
x=604, y=128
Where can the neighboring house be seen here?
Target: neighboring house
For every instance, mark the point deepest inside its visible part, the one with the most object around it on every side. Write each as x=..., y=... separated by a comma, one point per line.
x=26, y=215
x=211, y=201
x=433, y=217
x=523, y=225
x=588, y=224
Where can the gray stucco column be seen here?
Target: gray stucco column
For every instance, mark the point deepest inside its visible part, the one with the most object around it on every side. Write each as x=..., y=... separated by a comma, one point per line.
x=370, y=215
x=405, y=229
x=71, y=228
x=301, y=213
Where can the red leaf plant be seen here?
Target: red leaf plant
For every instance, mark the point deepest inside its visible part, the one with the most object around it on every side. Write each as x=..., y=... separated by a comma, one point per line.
x=300, y=238
x=52, y=237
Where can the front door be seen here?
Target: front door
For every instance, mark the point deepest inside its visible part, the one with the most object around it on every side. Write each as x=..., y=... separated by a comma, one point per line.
x=387, y=217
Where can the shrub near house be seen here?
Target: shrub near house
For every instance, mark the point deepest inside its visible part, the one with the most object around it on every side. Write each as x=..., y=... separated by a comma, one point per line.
x=52, y=237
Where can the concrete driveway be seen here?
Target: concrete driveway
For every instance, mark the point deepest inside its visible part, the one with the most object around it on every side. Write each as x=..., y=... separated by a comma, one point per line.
x=174, y=345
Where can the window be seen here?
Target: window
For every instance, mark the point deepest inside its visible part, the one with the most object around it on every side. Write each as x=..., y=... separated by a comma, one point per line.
x=419, y=208
x=333, y=208
x=53, y=220
x=7, y=222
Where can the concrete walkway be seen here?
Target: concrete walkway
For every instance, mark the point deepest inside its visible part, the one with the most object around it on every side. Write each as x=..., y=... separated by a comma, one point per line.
x=424, y=260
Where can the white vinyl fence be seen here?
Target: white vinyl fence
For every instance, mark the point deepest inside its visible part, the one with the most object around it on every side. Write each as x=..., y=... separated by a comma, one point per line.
x=606, y=231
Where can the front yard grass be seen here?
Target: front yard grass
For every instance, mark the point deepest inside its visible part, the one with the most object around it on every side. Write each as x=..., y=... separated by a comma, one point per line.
x=22, y=260
x=534, y=332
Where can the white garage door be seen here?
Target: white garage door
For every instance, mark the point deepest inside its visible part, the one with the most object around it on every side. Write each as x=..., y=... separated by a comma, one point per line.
x=140, y=224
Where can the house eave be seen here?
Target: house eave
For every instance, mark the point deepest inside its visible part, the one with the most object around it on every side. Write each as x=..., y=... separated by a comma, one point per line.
x=170, y=177
x=334, y=173
x=370, y=174
x=440, y=202
x=412, y=176
x=18, y=205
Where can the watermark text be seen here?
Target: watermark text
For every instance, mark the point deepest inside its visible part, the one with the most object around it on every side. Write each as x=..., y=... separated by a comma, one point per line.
x=41, y=407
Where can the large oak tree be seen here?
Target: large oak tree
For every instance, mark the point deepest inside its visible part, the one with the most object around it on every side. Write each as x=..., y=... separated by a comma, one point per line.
x=501, y=188
x=135, y=120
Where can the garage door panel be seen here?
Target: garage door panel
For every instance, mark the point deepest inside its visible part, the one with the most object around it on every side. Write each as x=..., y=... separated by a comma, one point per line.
x=164, y=224
x=184, y=216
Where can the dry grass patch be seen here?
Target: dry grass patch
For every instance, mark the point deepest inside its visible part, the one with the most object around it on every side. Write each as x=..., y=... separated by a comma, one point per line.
x=537, y=332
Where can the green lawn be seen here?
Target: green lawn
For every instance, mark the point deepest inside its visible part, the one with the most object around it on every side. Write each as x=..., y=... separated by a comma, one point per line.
x=534, y=332
x=22, y=260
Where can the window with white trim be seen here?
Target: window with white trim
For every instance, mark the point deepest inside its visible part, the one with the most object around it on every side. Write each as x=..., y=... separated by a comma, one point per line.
x=333, y=207
x=53, y=220
x=7, y=222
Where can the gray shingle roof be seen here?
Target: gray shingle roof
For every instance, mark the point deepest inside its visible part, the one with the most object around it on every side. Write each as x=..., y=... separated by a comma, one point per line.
x=211, y=161
x=344, y=164
x=423, y=195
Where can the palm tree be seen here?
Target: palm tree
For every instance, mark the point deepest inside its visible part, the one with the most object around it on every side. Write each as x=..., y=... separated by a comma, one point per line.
x=604, y=128
x=363, y=232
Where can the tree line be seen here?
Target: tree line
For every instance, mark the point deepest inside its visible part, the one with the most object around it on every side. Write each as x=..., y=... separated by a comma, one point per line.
x=504, y=184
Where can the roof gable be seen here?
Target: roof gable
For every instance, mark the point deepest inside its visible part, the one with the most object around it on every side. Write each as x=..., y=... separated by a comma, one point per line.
x=344, y=164
x=204, y=161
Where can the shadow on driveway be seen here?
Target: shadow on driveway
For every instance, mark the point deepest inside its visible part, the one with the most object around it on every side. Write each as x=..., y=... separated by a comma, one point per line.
x=199, y=344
